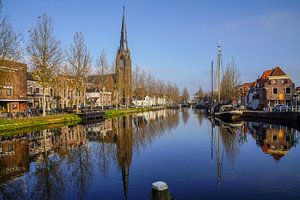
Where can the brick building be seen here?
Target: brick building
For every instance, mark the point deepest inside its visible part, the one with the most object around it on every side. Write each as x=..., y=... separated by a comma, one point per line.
x=272, y=88
x=119, y=83
x=35, y=93
x=13, y=86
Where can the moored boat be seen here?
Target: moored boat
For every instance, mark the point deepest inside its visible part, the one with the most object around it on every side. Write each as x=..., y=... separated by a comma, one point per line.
x=228, y=112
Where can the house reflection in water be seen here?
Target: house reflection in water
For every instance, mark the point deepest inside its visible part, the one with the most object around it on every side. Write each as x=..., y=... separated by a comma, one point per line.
x=16, y=152
x=64, y=157
x=274, y=140
x=14, y=158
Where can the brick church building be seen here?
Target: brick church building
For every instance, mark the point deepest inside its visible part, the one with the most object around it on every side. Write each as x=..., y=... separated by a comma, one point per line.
x=119, y=83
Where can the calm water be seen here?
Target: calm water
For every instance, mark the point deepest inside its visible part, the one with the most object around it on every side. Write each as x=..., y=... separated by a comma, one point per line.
x=120, y=158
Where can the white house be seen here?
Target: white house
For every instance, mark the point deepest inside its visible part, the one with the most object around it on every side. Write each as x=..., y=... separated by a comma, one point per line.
x=99, y=98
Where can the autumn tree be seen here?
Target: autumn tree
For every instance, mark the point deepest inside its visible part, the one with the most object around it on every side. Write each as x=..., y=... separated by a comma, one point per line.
x=79, y=64
x=230, y=81
x=45, y=54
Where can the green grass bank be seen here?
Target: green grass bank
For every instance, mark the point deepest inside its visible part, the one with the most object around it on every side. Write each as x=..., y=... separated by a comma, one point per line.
x=116, y=113
x=11, y=124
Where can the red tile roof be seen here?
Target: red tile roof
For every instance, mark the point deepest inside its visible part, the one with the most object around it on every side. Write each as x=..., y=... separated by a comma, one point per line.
x=264, y=77
x=266, y=74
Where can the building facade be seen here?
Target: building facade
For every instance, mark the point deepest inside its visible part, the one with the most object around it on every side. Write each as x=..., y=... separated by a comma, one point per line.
x=97, y=99
x=274, y=87
x=13, y=86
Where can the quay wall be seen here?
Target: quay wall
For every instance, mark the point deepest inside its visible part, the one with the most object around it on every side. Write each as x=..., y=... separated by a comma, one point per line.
x=295, y=116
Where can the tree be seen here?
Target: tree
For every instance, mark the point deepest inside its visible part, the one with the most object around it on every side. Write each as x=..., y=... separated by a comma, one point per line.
x=79, y=63
x=230, y=81
x=200, y=93
x=185, y=95
x=102, y=70
x=45, y=53
x=10, y=41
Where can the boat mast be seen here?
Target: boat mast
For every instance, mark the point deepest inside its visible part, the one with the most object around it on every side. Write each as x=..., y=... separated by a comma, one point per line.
x=219, y=63
x=212, y=83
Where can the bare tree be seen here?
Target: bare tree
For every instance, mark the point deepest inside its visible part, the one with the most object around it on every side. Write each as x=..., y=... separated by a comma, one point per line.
x=185, y=95
x=230, y=81
x=102, y=70
x=10, y=41
x=200, y=93
x=46, y=56
x=79, y=62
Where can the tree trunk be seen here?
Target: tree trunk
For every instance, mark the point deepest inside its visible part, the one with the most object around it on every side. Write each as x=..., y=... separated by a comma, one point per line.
x=44, y=102
x=102, y=100
x=77, y=103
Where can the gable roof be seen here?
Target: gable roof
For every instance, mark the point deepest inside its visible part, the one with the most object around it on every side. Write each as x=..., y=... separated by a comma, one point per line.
x=277, y=71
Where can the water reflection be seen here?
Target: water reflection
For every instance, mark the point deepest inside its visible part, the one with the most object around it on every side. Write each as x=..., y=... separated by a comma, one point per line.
x=53, y=163
x=64, y=162
x=274, y=140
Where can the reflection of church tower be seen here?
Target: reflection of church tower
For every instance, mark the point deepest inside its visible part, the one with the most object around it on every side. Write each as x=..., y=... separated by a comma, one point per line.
x=123, y=68
x=124, y=149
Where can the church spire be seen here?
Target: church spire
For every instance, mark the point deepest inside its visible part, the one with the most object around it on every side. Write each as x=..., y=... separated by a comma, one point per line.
x=123, y=41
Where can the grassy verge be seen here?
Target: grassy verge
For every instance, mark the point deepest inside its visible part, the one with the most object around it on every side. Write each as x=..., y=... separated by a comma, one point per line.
x=11, y=124
x=115, y=113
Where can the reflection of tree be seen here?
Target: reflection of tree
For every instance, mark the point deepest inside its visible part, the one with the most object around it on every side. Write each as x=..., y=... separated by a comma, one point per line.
x=64, y=162
x=48, y=178
x=12, y=191
x=147, y=130
x=200, y=115
x=80, y=168
x=185, y=115
x=231, y=142
x=48, y=183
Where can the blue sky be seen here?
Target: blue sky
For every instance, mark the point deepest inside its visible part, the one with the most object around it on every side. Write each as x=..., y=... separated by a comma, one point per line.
x=176, y=40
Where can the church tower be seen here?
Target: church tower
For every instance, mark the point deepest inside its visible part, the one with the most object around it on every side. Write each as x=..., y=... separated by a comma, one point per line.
x=123, y=69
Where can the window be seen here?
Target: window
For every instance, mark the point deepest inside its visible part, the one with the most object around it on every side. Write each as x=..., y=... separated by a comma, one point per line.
x=8, y=92
x=288, y=90
x=274, y=90
x=273, y=82
x=37, y=90
x=30, y=90
x=10, y=147
x=274, y=138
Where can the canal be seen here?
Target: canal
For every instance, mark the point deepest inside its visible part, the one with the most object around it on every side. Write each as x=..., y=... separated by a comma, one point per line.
x=120, y=158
